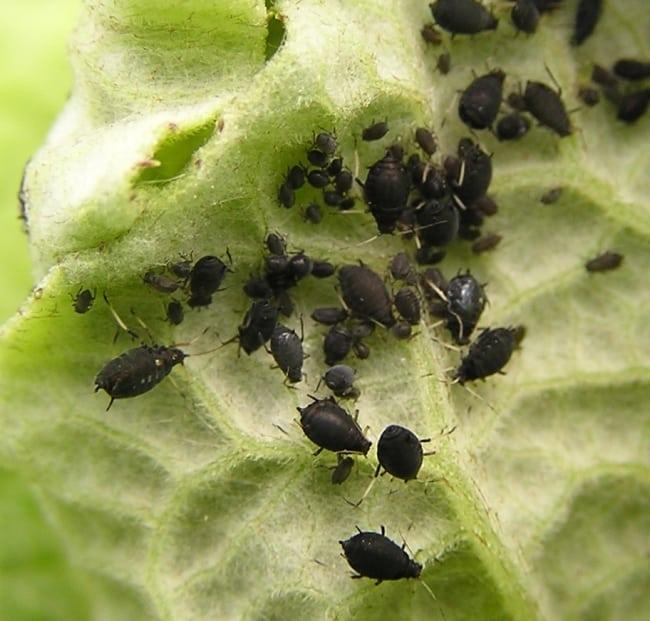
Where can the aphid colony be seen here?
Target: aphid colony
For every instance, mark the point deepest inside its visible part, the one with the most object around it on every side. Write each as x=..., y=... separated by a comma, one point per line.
x=431, y=198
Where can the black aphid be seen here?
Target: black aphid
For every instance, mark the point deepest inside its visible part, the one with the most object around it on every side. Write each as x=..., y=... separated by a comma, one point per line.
x=402, y=330
x=376, y=131
x=347, y=203
x=488, y=354
x=160, y=283
x=332, y=198
x=443, y=64
x=386, y=191
x=516, y=101
x=465, y=303
x=407, y=304
x=401, y=269
x=326, y=143
x=258, y=325
x=205, y=279
x=137, y=371
x=525, y=16
x=438, y=222
x=399, y=452
x=331, y=428
x=426, y=140
x=433, y=183
x=276, y=244
x=430, y=34
x=313, y=213
x=286, y=195
x=373, y=555
x=487, y=242
x=361, y=350
x=276, y=265
x=630, y=69
x=329, y=315
x=469, y=233
x=335, y=166
x=433, y=283
x=365, y=294
x=296, y=177
x=342, y=470
x=632, y=106
x=361, y=329
x=604, y=262
x=181, y=269
x=587, y=15
x=486, y=205
x=322, y=269
x=589, y=95
x=428, y=255
x=603, y=77
x=337, y=344
x=343, y=181
x=318, y=178
x=462, y=16
x=284, y=303
x=476, y=172
x=340, y=380
x=82, y=301
x=547, y=107
x=512, y=126
x=520, y=333
x=300, y=266
x=286, y=349
x=551, y=196
x=175, y=313
x=480, y=102
x=317, y=158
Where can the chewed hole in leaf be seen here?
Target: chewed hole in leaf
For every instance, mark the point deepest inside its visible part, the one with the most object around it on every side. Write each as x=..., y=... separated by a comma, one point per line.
x=174, y=152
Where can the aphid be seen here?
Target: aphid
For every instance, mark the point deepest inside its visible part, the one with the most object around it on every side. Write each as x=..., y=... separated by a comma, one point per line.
x=313, y=213
x=588, y=95
x=604, y=262
x=361, y=329
x=426, y=140
x=337, y=344
x=386, y=191
x=332, y=198
x=317, y=178
x=512, y=126
x=300, y=266
x=375, y=132
x=430, y=34
x=401, y=269
x=587, y=16
x=469, y=233
x=402, y=330
x=407, y=304
x=428, y=255
x=342, y=470
x=443, y=64
x=343, y=181
x=480, y=102
x=489, y=241
x=520, y=333
x=258, y=325
x=286, y=349
x=160, y=283
x=603, y=77
x=276, y=264
x=437, y=222
x=340, y=380
x=432, y=283
x=296, y=177
x=276, y=244
x=632, y=106
x=486, y=206
x=399, y=452
x=181, y=269
x=361, y=350
x=286, y=195
x=465, y=303
x=396, y=151
x=331, y=428
x=365, y=294
x=284, y=303
x=516, y=101
x=630, y=69
x=205, y=279
x=476, y=172
x=347, y=203
x=322, y=269
x=433, y=184
x=488, y=354
x=326, y=143
x=329, y=315
x=335, y=167
x=175, y=313
x=547, y=107
x=551, y=196
x=525, y=16
x=462, y=16
x=317, y=158
x=83, y=300
x=373, y=555
x=137, y=371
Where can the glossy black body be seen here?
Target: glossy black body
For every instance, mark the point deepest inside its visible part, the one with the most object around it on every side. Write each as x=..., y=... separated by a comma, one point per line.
x=373, y=555
x=376, y=131
x=330, y=427
x=205, y=279
x=340, y=379
x=630, y=69
x=481, y=100
x=258, y=325
x=386, y=190
x=326, y=143
x=318, y=178
x=175, y=313
x=365, y=294
x=343, y=181
x=322, y=269
x=588, y=13
x=286, y=348
x=286, y=195
x=438, y=222
x=256, y=287
x=296, y=177
x=465, y=303
x=275, y=244
x=478, y=171
x=525, y=16
x=512, y=126
x=547, y=107
x=426, y=140
x=462, y=16
x=342, y=470
x=488, y=354
x=399, y=452
x=337, y=344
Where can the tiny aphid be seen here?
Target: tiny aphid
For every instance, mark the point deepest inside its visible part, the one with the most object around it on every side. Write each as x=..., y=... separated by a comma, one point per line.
x=426, y=140
x=401, y=269
x=438, y=222
x=407, y=304
x=486, y=205
x=82, y=301
x=512, y=126
x=332, y=198
x=386, y=191
x=300, y=266
x=181, y=269
x=331, y=428
x=286, y=348
x=430, y=34
x=630, y=69
x=603, y=77
x=257, y=287
x=402, y=330
x=376, y=131
x=342, y=470
x=373, y=555
x=322, y=269
x=516, y=101
x=276, y=244
x=258, y=325
x=632, y=106
x=343, y=181
x=433, y=183
x=205, y=279
x=551, y=196
x=480, y=102
x=428, y=255
x=340, y=380
x=547, y=107
x=443, y=64
x=588, y=95
x=313, y=213
x=317, y=158
x=337, y=344
x=175, y=313
x=160, y=283
x=462, y=16
x=365, y=294
x=487, y=242
x=335, y=167
x=329, y=315
x=604, y=262
x=399, y=452
x=487, y=355
x=296, y=177
x=525, y=16
x=476, y=172
x=286, y=195
x=317, y=178
x=326, y=143
x=587, y=15
x=347, y=203
x=465, y=303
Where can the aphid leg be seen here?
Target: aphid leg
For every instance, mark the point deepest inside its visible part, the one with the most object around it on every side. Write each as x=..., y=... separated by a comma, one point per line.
x=144, y=326
x=119, y=320
x=477, y=396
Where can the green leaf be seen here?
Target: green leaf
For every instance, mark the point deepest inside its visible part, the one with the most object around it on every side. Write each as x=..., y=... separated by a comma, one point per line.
x=189, y=502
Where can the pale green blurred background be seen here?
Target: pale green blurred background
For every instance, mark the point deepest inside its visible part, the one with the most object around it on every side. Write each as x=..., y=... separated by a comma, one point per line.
x=36, y=582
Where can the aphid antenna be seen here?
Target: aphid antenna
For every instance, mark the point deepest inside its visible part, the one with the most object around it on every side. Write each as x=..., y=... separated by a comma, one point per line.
x=143, y=325
x=476, y=395
x=553, y=79
x=166, y=180
x=119, y=321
